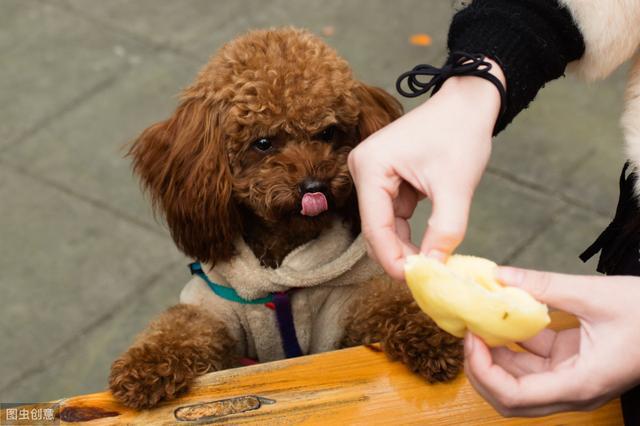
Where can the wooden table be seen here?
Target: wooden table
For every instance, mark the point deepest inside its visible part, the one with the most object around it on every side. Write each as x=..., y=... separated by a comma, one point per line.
x=352, y=386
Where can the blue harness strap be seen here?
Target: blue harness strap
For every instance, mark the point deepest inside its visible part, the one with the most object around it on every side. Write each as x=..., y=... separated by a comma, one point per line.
x=225, y=292
x=280, y=301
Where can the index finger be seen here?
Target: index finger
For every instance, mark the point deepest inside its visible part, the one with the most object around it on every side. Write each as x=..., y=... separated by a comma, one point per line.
x=580, y=295
x=379, y=228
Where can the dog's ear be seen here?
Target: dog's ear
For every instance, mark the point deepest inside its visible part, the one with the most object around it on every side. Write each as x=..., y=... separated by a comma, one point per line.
x=183, y=165
x=377, y=109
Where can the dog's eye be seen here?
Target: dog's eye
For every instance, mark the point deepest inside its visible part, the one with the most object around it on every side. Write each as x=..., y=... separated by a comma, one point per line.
x=262, y=144
x=327, y=134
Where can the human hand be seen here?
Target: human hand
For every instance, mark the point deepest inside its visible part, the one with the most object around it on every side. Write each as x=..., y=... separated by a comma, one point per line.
x=575, y=369
x=438, y=150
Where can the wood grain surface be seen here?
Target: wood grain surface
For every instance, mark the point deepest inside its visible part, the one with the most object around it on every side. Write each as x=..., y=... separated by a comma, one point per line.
x=351, y=386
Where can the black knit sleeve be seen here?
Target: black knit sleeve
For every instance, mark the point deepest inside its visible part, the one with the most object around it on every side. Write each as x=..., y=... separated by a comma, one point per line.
x=532, y=40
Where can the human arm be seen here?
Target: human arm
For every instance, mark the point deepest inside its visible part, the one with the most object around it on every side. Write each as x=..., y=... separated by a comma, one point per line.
x=440, y=149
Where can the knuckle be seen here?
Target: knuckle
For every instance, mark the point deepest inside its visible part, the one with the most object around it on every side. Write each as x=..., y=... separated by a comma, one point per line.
x=446, y=234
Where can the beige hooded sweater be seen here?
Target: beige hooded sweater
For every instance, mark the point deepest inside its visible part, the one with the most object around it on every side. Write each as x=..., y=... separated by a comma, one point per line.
x=326, y=273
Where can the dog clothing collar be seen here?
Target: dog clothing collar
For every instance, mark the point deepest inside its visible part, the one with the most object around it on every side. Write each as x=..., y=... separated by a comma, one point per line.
x=333, y=259
x=225, y=292
x=280, y=302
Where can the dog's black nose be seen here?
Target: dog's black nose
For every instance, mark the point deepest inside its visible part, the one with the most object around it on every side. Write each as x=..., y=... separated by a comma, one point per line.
x=312, y=185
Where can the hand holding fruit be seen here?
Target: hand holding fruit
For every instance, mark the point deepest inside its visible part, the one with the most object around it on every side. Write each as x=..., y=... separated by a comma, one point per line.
x=463, y=295
x=576, y=369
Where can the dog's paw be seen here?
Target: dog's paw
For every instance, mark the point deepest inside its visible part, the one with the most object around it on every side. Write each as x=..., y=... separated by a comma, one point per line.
x=145, y=375
x=415, y=340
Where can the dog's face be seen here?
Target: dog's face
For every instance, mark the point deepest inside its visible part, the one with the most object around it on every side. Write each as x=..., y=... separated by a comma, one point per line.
x=288, y=153
x=266, y=128
x=294, y=175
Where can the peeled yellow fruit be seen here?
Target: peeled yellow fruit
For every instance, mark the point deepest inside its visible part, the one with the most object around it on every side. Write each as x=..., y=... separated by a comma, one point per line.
x=463, y=295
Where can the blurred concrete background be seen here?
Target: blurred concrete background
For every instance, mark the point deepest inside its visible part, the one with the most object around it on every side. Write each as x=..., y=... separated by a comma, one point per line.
x=83, y=264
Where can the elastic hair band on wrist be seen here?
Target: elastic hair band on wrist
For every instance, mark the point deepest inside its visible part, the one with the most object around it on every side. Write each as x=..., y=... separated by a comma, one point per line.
x=459, y=64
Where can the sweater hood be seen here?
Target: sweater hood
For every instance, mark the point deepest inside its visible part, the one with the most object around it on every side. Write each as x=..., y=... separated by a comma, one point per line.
x=332, y=259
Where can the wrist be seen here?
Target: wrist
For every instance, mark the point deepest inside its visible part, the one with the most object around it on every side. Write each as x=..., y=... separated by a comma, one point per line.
x=475, y=101
x=495, y=70
x=477, y=92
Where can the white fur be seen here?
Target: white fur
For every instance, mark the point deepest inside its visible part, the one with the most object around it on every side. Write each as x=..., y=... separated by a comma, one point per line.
x=631, y=119
x=611, y=31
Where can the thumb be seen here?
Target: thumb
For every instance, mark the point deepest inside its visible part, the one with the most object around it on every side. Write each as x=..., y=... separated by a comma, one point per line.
x=575, y=294
x=447, y=224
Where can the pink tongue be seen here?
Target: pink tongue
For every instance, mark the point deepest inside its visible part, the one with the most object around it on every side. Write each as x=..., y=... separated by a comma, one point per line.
x=313, y=203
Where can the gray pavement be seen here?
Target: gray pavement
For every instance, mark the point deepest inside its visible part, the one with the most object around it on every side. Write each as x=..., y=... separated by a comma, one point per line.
x=83, y=263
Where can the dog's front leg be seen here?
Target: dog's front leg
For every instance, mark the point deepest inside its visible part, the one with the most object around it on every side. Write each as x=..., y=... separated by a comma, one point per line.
x=180, y=345
x=387, y=313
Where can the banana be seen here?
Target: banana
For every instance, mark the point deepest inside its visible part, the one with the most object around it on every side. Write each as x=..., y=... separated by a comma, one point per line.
x=463, y=295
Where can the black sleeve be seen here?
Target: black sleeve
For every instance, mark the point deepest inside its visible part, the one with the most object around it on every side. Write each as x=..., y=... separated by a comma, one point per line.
x=532, y=40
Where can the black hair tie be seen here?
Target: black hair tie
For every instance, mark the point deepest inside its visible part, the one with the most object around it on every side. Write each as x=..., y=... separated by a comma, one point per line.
x=459, y=64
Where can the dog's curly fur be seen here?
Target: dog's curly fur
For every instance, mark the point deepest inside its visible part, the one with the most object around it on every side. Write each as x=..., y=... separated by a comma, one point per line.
x=163, y=362
x=212, y=182
x=389, y=315
x=200, y=164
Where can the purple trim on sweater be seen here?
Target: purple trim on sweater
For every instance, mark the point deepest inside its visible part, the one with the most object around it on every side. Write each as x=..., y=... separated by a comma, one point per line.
x=286, y=326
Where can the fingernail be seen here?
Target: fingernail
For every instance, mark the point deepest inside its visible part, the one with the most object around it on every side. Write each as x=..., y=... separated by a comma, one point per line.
x=437, y=255
x=509, y=275
x=468, y=344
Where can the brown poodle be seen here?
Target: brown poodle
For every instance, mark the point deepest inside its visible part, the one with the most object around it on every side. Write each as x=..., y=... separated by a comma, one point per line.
x=251, y=175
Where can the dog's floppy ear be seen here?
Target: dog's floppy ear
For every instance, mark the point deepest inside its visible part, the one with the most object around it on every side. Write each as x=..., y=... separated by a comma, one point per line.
x=377, y=109
x=183, y=165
